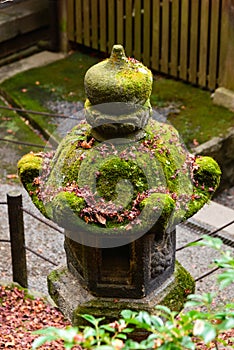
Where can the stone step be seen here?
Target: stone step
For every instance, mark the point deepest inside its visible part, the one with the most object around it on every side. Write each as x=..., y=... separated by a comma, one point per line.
x=23, y=17
x=216, y=215
x=37, y=60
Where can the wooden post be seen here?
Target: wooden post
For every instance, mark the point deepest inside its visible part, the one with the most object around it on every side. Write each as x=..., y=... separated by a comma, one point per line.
x=16, y=226
x=63, y=27
x=224, y=95
x=54, y=27
x=227, y=80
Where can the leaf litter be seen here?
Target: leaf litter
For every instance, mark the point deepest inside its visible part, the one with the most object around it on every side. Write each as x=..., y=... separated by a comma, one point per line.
x=21, y=315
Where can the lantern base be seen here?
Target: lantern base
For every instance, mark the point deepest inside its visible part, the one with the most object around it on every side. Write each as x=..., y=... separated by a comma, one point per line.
x=74, y=300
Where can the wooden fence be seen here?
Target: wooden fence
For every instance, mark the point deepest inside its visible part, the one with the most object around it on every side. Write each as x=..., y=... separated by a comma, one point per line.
x=186, y=39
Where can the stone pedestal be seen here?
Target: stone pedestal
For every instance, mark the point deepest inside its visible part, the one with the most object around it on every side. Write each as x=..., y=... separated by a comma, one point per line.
x=73, y=299
x=104, y=281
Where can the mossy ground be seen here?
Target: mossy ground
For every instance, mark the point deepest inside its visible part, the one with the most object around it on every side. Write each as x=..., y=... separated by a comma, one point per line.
x=62, y=80
x=199, y=120
x=14, y=128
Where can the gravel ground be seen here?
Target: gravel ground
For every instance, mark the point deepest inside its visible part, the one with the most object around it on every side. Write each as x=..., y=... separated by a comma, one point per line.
x=38, y=236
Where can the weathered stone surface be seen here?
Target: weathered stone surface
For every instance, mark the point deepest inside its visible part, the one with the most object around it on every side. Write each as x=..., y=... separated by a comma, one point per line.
x=74, y=299
x=23, y=17
x=133, y=270
x=117, y=119
x=224, y=97
x=118, y=79
x=221, y=149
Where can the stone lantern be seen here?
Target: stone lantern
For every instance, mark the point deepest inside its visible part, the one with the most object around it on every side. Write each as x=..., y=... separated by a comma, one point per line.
x=119, y=183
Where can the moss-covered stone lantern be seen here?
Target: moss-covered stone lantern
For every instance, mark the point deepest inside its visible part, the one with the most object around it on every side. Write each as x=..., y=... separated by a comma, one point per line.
x=118, y=184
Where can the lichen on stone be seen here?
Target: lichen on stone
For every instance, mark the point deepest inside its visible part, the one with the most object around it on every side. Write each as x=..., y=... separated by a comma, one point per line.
x=118, y=79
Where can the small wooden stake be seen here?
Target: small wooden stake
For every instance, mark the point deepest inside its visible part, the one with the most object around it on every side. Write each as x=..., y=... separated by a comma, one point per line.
x=16, y=226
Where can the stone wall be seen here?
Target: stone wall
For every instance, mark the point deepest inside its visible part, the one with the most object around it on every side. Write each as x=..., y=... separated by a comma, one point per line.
x=222, y=150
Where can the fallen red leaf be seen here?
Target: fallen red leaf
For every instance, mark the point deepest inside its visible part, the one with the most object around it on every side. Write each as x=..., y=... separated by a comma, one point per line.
x=195, y=142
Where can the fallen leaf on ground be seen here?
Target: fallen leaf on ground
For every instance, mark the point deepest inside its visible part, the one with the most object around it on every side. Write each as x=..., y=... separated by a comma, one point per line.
x=12, y=176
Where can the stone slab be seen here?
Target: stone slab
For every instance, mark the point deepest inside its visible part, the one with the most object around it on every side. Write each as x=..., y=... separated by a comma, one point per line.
x=216, y=215
x=224, y=97
x=34, y=61
x=22, y=18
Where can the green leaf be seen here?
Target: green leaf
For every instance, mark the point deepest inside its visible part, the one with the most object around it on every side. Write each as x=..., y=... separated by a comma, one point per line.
x=89, y=332
x=226, y=278
x=144, y=317
x=195, y=297
x=156, y=321
x=204, y=330
x=121, y=336
x=128, y=314
x=47, y=331
x=193, y=314
x=131, y=344
x=229, y=306
x=226, y=324
x=104, y=347
x=68, y=346
x=107, y=328
x=66, y=334
x=39, y=342
x=128, y=330
x=205, y=298
x=92, y=319
x=187, y=343
x=207, y=241
x=163, y=308
x=193, y=303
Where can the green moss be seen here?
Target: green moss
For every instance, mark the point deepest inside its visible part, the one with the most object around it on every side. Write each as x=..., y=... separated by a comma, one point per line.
x=158, y=167
x=208, y=172
x=171, y=153
x=66, y=163
x=207, y=179
x=61, y=80
x=29, y=167
x=53, y=277
x=66, y=205
x=118, y=79
x=184, y=284
x=159, y=203
x=132, y=84
x=198, y=119
x=113, y=171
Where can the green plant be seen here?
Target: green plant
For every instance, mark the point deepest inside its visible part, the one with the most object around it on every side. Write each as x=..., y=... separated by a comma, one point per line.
x=167, y=330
